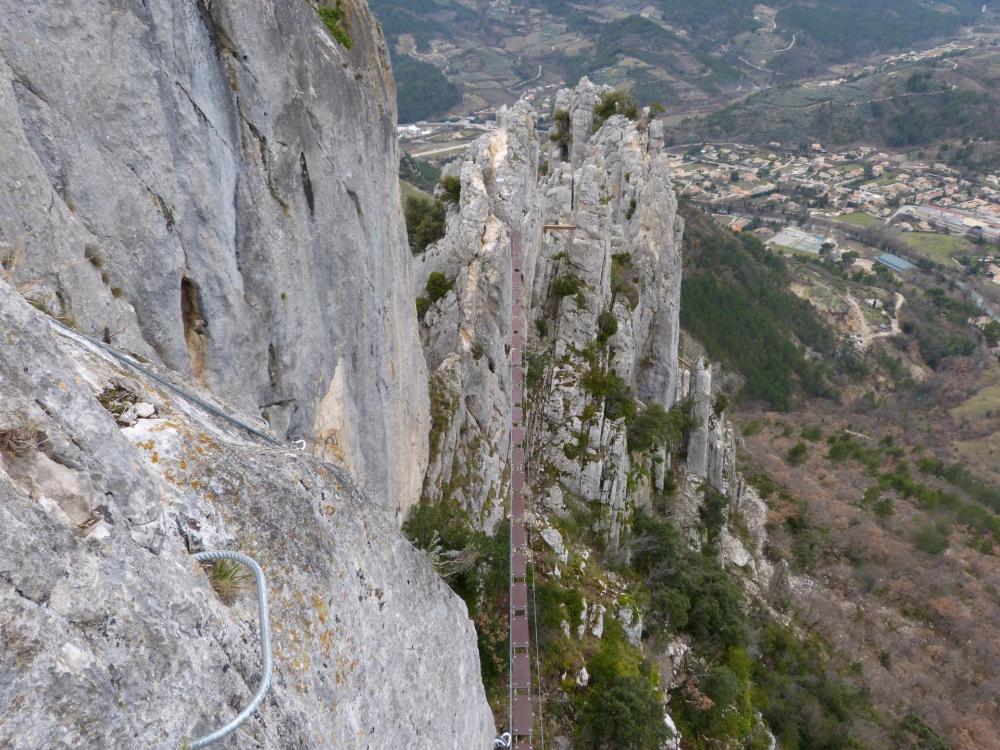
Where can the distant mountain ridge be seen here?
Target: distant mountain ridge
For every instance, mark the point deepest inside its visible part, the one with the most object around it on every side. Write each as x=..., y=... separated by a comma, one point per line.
x=694, y=55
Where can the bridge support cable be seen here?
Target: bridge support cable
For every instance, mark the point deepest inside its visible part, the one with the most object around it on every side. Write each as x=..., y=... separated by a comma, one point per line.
x=521, y=711
x=538, y=659
x=265, y=646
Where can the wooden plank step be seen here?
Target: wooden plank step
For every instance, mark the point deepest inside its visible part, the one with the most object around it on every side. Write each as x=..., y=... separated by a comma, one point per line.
x=519, y=630
x=518, y=540
x=517, y=483
x=517, y=507
x=523, y=719
x=519, y=595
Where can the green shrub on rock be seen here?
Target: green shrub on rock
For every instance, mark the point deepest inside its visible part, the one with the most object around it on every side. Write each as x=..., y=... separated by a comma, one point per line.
x=657, y=428
x=607, y=326
x=437, y=286
x=451, y=188
x=425, y=222
x=615, y=392
x=621, y=708
x=616, y=102
x=333, y=19
x=565, y=286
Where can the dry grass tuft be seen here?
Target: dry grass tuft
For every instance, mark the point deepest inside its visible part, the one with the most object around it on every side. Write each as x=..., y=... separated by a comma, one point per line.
x=22, y=439
x=93, y=256
x=228, y=579
x=10, y=257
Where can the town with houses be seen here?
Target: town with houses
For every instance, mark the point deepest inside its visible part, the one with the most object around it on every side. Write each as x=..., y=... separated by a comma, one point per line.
x=860, y=205
x=860, y=185
x=854, y=188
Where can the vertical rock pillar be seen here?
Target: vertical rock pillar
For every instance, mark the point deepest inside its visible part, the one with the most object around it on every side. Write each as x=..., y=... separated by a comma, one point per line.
x=701, y=411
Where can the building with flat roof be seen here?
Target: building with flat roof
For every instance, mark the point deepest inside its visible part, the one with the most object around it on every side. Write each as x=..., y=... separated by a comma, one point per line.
x=896, y=263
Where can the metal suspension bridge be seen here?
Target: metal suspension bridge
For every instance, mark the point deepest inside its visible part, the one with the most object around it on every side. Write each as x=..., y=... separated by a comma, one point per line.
x=522, y=705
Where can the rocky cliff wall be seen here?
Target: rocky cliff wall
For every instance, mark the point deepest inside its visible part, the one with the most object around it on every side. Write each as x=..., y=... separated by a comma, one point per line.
x=602, y=242
x=605, y=298
x=466, y=332
x=623, y=256
x=212, y=185
x=111, y=634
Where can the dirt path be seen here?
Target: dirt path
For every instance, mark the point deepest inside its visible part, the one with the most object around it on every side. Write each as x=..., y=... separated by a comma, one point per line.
x=527, y=80
x=785, y=49
x=900, y=299
x=865, y=331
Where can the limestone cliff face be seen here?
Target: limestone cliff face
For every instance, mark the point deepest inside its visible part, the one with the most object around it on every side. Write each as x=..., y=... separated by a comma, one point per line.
x=466, y=333
x=606, y=296
x=623, y=256
x=111, y=634
x=212, y=185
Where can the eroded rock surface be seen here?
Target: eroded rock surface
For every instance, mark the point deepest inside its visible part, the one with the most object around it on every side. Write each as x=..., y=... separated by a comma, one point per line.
x=466, y=333
x=112, y=636
x=606, y=296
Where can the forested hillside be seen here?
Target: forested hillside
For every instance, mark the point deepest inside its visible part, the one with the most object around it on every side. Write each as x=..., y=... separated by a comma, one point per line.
x=422, y=90
x=735, y=300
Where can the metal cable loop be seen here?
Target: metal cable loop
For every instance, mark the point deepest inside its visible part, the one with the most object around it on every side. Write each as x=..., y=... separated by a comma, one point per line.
x=265, y=645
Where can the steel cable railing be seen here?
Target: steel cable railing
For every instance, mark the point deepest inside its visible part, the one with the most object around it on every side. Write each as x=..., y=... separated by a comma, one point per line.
x=163, y=381
x=265, y=646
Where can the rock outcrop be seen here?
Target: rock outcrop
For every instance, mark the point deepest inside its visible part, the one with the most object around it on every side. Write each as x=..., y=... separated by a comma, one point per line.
x=602, y=241
x=466, y=333
x=711, y=466
x=212, y=185
x=701, y=414
x=112, y=636
x=605, y=298
x=621, y=255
